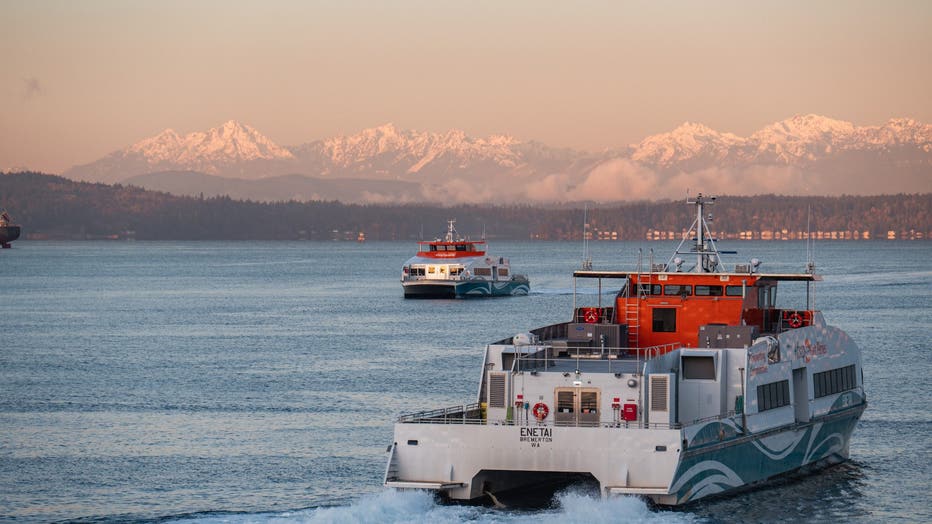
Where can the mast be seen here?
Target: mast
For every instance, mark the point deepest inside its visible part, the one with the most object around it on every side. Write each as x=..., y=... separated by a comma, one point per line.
x=450, y=230
x=708, y=259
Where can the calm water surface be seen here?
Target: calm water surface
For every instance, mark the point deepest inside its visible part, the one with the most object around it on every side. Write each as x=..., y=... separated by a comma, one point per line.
x=258, y=382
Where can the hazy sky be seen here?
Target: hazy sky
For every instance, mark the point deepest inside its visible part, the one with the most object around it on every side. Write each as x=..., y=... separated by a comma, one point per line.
x=80, y=79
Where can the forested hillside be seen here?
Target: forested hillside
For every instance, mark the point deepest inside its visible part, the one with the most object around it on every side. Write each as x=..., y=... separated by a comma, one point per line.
x=54, y=207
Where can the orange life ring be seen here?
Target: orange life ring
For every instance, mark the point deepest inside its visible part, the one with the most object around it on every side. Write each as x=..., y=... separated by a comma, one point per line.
x=541, y=411
x=590, y=315
x=795, y=320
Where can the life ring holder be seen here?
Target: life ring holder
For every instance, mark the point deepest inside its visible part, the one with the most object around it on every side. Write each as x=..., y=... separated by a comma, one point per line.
x=540, y=411
x=795, y=320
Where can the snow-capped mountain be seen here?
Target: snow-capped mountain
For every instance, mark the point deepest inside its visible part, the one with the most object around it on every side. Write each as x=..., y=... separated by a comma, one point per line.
x=224, y=150
x=805, y=153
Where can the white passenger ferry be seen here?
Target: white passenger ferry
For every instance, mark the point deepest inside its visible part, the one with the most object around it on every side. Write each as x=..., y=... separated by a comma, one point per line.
x=692, y=382
x=457, y=268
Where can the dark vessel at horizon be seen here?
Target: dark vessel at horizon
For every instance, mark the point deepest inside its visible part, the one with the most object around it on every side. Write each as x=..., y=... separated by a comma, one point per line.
x=8, y=231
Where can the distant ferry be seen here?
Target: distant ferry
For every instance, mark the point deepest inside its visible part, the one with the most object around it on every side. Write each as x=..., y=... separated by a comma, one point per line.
x=458, y=268
x=691, y=382
x=8, y=231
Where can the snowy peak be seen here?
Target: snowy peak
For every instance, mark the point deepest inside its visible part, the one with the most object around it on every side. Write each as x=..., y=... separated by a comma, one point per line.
x=414, y=149
x=688, y=141
x=230, y=143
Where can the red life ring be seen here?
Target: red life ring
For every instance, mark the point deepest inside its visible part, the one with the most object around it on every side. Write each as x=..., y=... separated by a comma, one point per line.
x=795, y=320
x=541, y=411
x=590, y=315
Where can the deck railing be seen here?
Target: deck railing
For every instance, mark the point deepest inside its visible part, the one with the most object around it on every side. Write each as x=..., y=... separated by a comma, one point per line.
x=471, y=414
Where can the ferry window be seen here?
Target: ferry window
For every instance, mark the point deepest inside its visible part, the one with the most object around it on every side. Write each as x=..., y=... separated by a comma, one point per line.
x=588, y=402
x=650, y=289
x=664, y=320
x=834, y=381
x=461, y=247
x=564, y=402
x=455, y=271
x=503, y=272
x=673, y=289
x=483, y=272
x=708, y=291
x=767, y=297
x=430, y=269
x=417, y=271
x=773, y=395
x=433, y=247
x=698, y=368
x=734, y=291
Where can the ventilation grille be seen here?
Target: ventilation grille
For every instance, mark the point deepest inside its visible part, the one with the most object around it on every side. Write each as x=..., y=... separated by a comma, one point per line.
x=658, y=393
x=497, y=390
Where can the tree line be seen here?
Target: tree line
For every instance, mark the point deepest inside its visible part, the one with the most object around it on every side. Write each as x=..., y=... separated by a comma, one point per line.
x=49, y=206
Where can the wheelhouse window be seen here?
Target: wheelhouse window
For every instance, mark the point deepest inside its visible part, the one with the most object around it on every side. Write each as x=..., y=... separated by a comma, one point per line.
x=650, y=289
x=773, y=395
x=834, y=381
x=675, y=289
x=698, y=367
x=664, y=320
x=734, y=291
x=708, y=291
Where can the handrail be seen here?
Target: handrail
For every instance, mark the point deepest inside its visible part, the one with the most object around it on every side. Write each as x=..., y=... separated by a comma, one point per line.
x=426, y=417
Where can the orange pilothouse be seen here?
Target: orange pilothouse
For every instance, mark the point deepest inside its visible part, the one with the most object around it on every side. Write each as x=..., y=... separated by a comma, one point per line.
x=678, y=304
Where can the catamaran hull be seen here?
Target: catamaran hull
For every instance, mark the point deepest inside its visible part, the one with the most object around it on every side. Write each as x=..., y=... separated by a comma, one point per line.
x=742, y=462
x=464, y=289
x=466, y=462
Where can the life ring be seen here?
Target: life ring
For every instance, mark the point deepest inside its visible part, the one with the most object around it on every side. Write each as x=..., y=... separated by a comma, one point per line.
x=590, y=315
x=540, y=411
x=795, y=320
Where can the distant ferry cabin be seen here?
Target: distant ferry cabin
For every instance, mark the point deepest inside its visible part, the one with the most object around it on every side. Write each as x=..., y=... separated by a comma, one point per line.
x=459, y=268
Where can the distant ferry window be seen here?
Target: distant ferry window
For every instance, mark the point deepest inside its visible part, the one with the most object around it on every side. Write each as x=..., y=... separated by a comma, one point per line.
x=698, y=368
x=483, y=272
x=664, y=320
x=708, y=291
x=503, y=272
x=734, y=291
x=673, y=290
x=461, y=247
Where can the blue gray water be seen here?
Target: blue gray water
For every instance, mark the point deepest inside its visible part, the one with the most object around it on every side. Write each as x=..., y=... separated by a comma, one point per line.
x=258, y=382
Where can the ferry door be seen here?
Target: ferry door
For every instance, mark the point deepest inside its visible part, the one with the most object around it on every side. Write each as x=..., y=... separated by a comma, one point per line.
x=577, y=407
x=494, y=272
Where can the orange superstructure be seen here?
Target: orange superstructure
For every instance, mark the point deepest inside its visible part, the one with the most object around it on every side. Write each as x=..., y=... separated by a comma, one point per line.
x=671, y=307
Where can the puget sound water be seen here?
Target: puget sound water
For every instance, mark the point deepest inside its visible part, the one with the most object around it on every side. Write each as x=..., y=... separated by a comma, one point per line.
x=259, y=381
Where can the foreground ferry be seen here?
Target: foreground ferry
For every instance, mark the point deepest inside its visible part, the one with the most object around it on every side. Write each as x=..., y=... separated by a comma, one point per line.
x=692, y=382
x=458, y=268
x=8, y=231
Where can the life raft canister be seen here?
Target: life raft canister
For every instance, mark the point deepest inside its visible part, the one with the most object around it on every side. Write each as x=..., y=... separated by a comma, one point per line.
x=541, y=411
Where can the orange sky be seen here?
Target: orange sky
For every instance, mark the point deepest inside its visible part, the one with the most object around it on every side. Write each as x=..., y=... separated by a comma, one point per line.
x=81, y=79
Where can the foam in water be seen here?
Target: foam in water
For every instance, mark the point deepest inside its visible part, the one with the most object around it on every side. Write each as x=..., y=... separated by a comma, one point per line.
x=570, y=506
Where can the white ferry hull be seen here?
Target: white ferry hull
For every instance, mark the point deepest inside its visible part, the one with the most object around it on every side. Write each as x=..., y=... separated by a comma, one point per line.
x=466, y=462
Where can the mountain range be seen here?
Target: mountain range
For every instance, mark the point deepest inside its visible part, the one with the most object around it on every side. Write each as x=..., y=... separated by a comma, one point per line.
x=802, y=155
